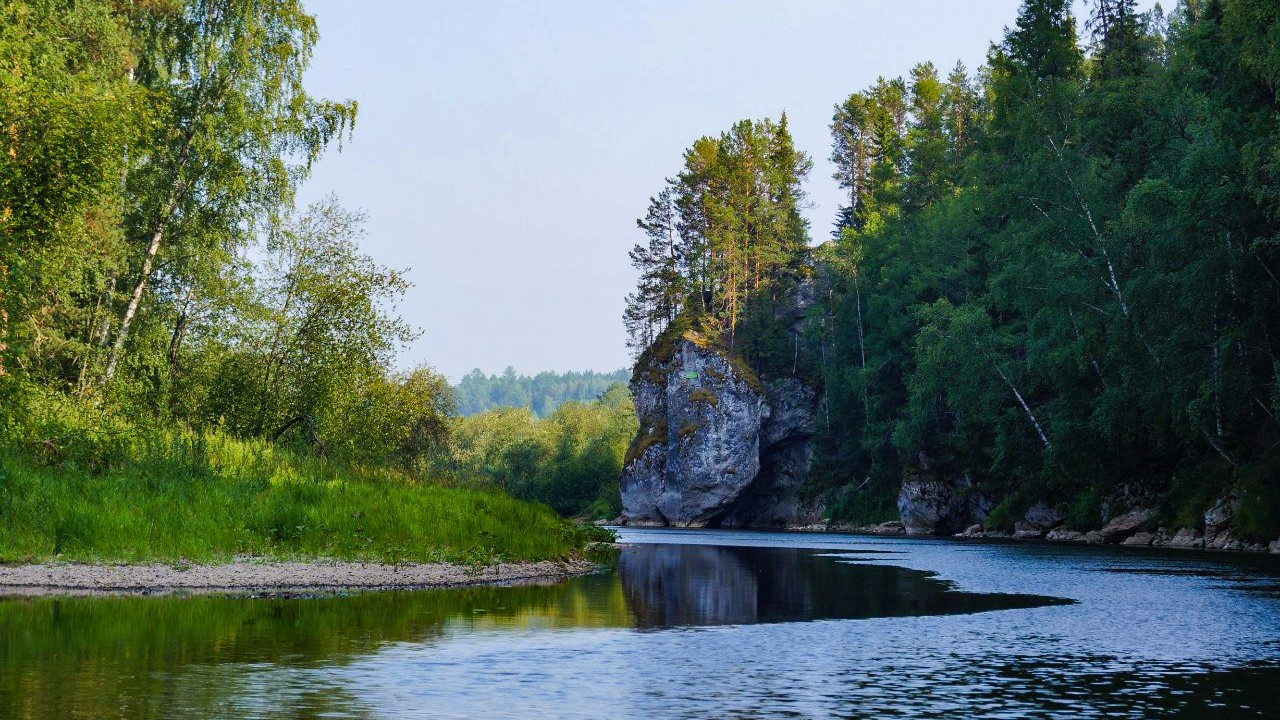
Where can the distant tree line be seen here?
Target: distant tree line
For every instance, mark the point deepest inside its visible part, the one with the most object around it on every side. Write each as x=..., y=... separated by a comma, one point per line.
x=569, y=459
x=541, y=393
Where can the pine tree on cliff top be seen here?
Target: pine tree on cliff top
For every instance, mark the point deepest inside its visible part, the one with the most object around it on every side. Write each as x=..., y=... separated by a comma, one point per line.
x=735, y=211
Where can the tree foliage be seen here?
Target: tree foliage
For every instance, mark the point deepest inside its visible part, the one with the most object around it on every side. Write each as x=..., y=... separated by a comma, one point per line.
x=152, y=263
x=569, y=460
x=725, y=237
x=1062, y=279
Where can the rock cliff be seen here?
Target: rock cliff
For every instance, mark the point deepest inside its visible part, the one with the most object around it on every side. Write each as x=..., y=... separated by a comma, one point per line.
x=717, y=447
x=932, y=502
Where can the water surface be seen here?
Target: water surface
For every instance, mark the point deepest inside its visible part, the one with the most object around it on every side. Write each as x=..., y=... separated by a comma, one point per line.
x=692, y=624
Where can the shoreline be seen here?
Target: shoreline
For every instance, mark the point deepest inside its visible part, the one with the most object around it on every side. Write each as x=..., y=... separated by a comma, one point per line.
x=278, y=579
x=1184, y=540
x=1157, y=540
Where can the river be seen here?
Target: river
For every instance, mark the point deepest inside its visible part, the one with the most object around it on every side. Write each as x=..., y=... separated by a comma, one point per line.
x=691, y=624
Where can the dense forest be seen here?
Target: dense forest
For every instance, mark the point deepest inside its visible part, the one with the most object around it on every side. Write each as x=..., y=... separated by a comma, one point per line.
x=1058, y=273
x=541, y=393
x=189, y=363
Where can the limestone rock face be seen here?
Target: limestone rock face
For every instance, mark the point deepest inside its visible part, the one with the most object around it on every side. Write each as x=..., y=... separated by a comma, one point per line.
x=1187, y=538
x=936, y=503
x=1043, y=517
x=1218, y=517
x=1123, y=526
x=716, y=448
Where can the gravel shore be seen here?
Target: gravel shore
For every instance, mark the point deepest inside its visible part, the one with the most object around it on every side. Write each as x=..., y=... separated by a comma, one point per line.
x=275, y=578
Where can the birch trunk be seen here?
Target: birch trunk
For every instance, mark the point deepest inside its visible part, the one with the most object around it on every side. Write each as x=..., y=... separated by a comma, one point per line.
x=135, y=299
x=1026, y=408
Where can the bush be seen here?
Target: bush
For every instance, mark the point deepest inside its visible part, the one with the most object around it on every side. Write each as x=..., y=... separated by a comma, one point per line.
x=873, y=504
x=570, y=460
x=1086, y=511
x=1257, y=518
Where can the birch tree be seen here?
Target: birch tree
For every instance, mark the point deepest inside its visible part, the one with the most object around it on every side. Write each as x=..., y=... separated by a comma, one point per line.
x=233, y=132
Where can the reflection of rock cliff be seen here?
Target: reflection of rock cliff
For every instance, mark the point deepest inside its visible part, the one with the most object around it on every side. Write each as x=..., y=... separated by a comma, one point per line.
x=671, y=585
x=681, y=585
x=717, y=448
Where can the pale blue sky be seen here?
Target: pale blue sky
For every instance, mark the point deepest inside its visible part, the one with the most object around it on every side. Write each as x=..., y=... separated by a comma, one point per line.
x=504, y=149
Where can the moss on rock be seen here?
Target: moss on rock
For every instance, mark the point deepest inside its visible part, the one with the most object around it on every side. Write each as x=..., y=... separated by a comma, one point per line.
x=644, y=441
x=702, y=395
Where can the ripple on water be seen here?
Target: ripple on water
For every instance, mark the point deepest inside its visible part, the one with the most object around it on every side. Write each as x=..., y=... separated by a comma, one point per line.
x=691, y=625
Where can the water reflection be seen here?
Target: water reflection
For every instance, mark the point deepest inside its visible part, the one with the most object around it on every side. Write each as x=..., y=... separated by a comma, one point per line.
x=96, y=657
x=676, y=585
x=1149, y=636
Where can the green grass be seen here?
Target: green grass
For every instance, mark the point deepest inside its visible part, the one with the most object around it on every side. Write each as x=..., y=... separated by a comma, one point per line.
x=203, y=497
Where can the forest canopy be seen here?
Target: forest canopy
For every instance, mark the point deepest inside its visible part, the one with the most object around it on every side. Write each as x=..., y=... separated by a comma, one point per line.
x=1057, y=273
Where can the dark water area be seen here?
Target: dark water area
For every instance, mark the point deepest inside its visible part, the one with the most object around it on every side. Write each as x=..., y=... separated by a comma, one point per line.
x=691, y=624
x=670, y=586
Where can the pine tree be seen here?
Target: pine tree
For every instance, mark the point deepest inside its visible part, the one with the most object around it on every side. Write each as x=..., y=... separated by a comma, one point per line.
x=1043, y=42
x=926, y=145
x=850, y=153
x=1116, y=32
x=727, y=231
x=960, y=117
x=662, y=289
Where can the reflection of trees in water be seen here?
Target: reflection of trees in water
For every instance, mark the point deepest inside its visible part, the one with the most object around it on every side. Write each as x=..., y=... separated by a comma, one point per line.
x=207, y=656
x=673, y=585
x=142, y=657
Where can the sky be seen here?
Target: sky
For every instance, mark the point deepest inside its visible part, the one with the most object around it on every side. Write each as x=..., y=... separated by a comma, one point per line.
x=503, y=150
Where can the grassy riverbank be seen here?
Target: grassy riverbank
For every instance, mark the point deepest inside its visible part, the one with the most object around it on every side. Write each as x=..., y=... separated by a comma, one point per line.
x=119, y=494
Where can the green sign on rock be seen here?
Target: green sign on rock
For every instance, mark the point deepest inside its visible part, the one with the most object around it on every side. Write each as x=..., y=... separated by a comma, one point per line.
x=690, y=374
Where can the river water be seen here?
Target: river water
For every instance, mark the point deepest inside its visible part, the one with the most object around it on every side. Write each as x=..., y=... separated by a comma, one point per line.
x=692, y=624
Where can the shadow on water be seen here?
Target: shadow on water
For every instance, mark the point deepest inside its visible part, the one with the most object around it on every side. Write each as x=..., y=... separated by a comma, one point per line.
x=679, y=585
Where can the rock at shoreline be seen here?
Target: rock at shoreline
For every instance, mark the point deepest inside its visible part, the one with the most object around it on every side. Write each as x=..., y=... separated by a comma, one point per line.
x=937, y=503
x=1217, y=524
x=1187, y=538
x=1121, y=527
x=1140, y=539
x=1218, y=517
x=1060, y=535
x=1038, y=521
x=717, y=448
x=1023, y=531
x=1044, y=518
x=1224, y=540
